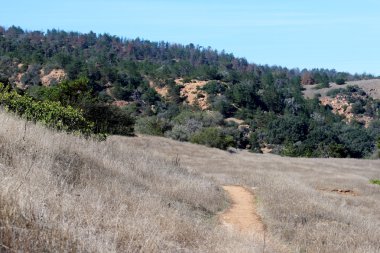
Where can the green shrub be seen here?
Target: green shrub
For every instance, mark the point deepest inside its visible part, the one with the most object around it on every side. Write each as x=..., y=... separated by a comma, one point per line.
x=357, y=108
x=49, y=113
x=322, y=85
x=375, y=181
x=340, y=81
x=214, y=87
x=334, y=92
x=67, y=92
x=213, y=137
x=109, y=119
x=179, y=132
x=151, y=125
x=208, y=119
x=254, y=143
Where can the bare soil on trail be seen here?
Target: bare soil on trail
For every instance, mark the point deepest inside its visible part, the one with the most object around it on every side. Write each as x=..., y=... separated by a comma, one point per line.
x=242, y=215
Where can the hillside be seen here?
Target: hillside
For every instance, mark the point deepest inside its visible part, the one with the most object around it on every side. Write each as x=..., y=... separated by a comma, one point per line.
x=60, y=192
x=353, y=100
x=371, y=87
x=184, y=92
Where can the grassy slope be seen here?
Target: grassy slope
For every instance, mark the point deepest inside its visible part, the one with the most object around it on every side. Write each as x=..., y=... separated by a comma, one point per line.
x=371, y=87
x=153, y=194
x=62, y=193
x=296, y=196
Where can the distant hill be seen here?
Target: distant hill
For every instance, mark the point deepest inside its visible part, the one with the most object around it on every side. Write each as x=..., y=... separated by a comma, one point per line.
x=371, y=87
x=184, y=92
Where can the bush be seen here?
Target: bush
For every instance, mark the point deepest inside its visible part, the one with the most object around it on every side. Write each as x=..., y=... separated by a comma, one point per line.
x=357, y=141
x=322, y=85
x=357, y=108
x=151, y=125
x=208, y=119
x=287, y=128
x=213, y=137
x=254, y=143
x=109, y=119
x=49, y=113
x=340, y=81
x=179, y=132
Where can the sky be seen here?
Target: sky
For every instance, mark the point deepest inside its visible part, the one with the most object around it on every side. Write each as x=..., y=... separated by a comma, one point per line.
x=334, y=34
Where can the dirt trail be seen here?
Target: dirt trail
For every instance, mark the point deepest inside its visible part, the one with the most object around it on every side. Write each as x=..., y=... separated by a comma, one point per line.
x=242, y=215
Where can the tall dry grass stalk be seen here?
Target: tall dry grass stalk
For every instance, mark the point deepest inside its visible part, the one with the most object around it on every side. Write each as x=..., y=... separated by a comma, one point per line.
x=61, y=193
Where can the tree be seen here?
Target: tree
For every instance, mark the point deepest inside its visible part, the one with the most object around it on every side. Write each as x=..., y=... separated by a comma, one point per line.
x=307, y=79
x=340, y=81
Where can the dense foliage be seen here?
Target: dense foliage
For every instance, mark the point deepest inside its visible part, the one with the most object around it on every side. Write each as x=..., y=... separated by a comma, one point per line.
x=268, y=100
x=49, y=113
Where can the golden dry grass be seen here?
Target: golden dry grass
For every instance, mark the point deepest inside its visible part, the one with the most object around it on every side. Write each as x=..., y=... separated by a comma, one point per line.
x=150, y=194
x=371, y=87
x=301, y=200
x=61, y=193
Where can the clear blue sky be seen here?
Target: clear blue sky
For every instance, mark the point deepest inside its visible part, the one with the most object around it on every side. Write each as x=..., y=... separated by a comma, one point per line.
x=340, y=34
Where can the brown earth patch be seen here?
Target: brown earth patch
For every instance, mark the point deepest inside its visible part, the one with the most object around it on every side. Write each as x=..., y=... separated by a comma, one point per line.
x=18, y=82
x=193, y=94
x=341, y=191
x=55, y=76
x=242, y=214
x=235, y=120
x=341, y=106
x=162, y=91
x=120, y=103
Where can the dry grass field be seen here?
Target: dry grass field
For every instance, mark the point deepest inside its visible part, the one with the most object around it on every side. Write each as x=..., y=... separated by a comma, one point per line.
x=61, y=193
x=371, y=87
x=308, y=205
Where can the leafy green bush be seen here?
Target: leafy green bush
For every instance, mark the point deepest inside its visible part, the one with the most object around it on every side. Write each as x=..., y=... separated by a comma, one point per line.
x=375, y=181
x=287, y=128
x=151, y=125
x=208, y=118
x=109, y=119
x=77, y=93
x=67, y=92
x=357, y=141
x=214, y=88
x=322, y=85
x=213, y=137
x=254, y=143
x=340, y=81
x=49, y=113
x=357, y=108
x=179, y=132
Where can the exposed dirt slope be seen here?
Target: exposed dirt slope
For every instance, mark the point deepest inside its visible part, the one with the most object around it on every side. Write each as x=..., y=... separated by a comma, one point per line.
x=193, y=94
x=341, y=106
x=55, y=76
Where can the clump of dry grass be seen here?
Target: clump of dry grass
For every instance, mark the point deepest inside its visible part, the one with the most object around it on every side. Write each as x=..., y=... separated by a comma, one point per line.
x=61, y=193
